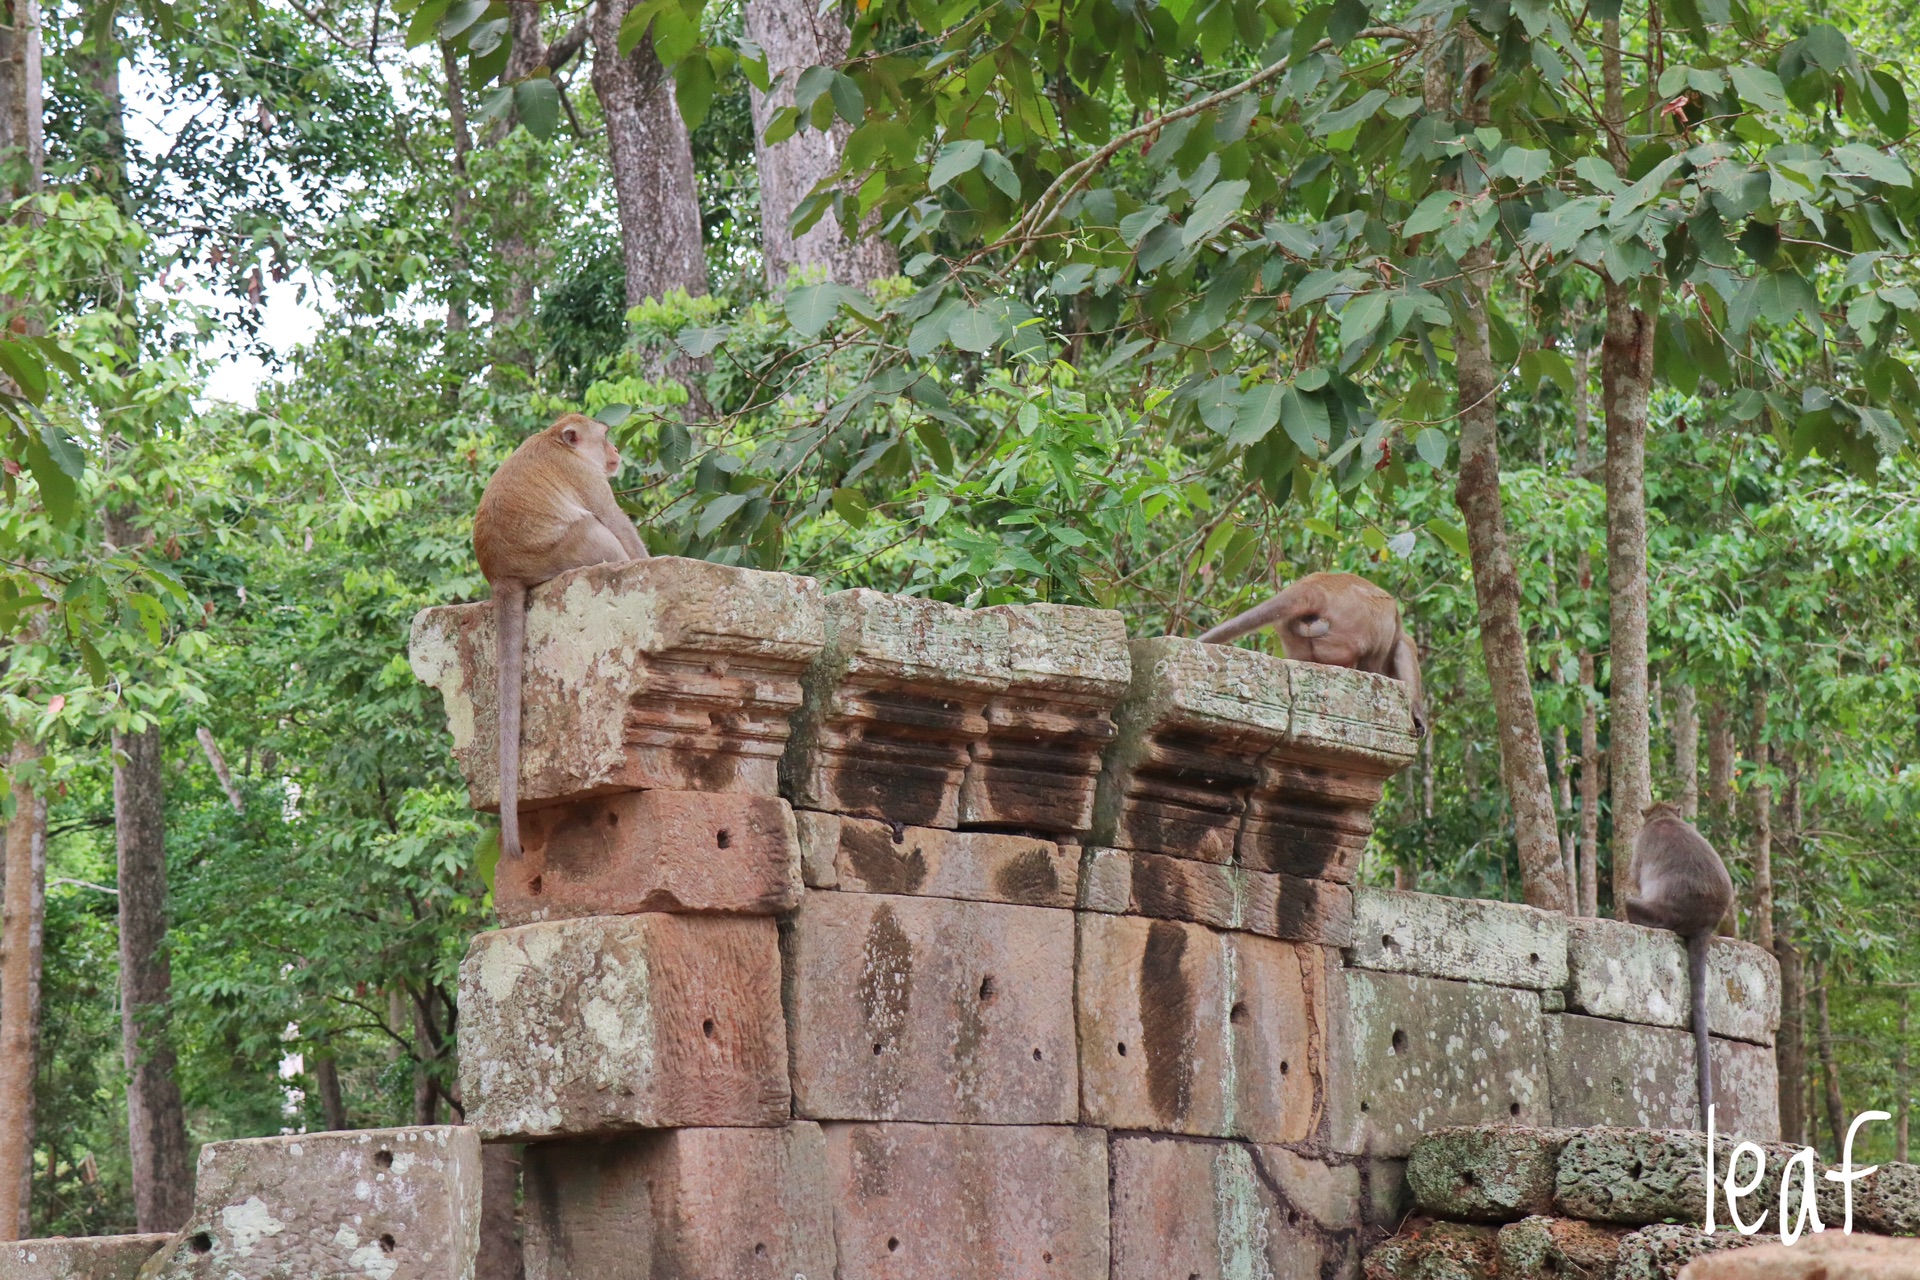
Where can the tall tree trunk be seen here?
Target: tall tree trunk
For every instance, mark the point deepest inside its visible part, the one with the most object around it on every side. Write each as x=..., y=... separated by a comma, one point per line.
x=1720, y=768
x=1626, y=381
x=798, y=34
x=1829, y=1071
x=333, y=1103
x=501, y=1257
x=22, y=930
x=1790, y=1044
x=1567, y=819
x=1590, y=789
x=1760, y=909
x=1496, y=585
x=458, y=214
x=22, y=113
x=1902, y=1082
x=651, y=156
x=1686, y=750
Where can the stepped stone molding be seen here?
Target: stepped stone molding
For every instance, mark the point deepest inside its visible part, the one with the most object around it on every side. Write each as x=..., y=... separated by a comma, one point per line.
x=668, y=673
x=857, y=855
x=78, y=1258
x=332, y=1206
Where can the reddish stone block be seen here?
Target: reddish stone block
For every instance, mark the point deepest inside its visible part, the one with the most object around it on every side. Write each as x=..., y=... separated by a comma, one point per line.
x=931, y=1009
x=623, y=1022
x=858, y=855
x=681, y=1204
x=1211, y=1210
x=969, y=1202
x=682, y=851
x=1186, y=1030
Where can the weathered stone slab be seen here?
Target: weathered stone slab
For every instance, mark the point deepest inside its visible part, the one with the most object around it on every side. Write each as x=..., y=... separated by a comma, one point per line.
x=1488, y=1173
x=711, y=1204
x=669, y=673
x=622, y=1022
x=1620, y=1073
x=683, y=851
x=1659, y=1252
x=893, y=706
x=1501, y=943
x=1118, y=882
x=1035, y=768
x=1887, y=1201
x=968, y=1202
x=1634, y=1176
x=931, y=1009
x=1197, y=1207
x=1186, y=1030
x=1413, y=1054
x=1830, y=1256
x=1427, y=1250
x=1541, y=1248
x=332, y=1206
x=78, y=1257
x=1634, y=974
x=858, y=855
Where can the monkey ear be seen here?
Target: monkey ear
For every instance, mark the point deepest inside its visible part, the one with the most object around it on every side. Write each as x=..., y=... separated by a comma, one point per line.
x=572, y=436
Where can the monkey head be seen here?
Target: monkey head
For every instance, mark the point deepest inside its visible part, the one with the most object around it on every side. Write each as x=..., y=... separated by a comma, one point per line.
x=1660, y=809
x=588, y=438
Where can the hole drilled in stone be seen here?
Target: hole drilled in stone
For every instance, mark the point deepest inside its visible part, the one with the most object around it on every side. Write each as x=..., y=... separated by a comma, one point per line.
x=384, y=1159
x=534, y=886
x=876, y=1051
x=613, y=819
x=1284, y=1068
x=723, y=838
x=200, y=1242
x=759, y=1251
x=1533, y=957
x=1047, y=1258
x=706, y=1028
x=893, y=1244
x=1364, y=1106
x=1122, y=1047
x=987, y=989
x=1238, y=1013
x=1513, y=1109
x=386, y=1244
x=1386, y=940
x=1036, y=1055
x=1399, y=1040
x=1466, y=1176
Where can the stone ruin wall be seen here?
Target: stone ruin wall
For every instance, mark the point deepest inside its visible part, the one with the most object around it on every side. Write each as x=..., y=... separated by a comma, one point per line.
x=861, y=935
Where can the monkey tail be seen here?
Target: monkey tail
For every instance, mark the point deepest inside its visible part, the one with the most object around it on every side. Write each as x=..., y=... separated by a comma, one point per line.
x=1697, y=944
x=510, y=623
x=1261, y=615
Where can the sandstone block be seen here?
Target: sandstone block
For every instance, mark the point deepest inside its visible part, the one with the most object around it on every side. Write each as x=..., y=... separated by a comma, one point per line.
x=1659, y=1252
x=893, y=707
x=1500, y=943
x=1427, y=1250
x=1221, y=897
x=1193, y=1207
x=1831, y=1256
x=681, y=1204
x=670, y=673
x=623, y=1022
x=1035, y=768
x=1620, y=1073
x=1485, y=1172
x=1186, y=1030
x=1540, y=1248
x=332, y=1206
x=931, y=1009
x=968, y=1202
x=858, y=855
x=682, y=851
x=78, y=1257
x=1412, y=1054
x=1106, y=881
x=1632, y=974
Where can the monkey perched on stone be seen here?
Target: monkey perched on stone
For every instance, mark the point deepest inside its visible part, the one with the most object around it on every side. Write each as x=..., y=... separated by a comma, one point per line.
x=1679, y=883
x=1342, y=620
x=547, y=509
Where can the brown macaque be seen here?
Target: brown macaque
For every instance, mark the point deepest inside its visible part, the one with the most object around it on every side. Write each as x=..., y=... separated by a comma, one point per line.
x=1341, y=620
x=1679, y=883
x=547, y=509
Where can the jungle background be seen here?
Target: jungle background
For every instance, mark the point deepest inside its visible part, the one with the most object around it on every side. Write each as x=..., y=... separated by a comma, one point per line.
x=1585, y=329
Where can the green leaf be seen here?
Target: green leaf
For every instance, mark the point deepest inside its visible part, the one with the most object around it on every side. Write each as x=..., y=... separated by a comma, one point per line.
x=153, y=618
x=1360, y=318
x=784, y=124
x=1135, y=226
x=1212, y=210
x=459, y=16
x=425, y=20
x=1348, y=116
x=717, y=512
x=1071, y=279
x=64, y=451
x=1431, y=445
x=1776, y=297
x=955, y=159
x=1305, y=419
x=698, y=342
x=813, y=82
x=811, y=307
x=486, y=856
x=1758, y=86
x=851, y=506
x=936, y=442
x=1858, y=158
x=693, y=85
x=974, y=329
x=1452, y=534
x=1523, y=165
x=1888, y=108
x=1259, y=413
x=848, y=101
x=24, y=365
x=537, y=103
x=58, y=492
x=995, y=169
x=1218, y=401
x=1436, y=211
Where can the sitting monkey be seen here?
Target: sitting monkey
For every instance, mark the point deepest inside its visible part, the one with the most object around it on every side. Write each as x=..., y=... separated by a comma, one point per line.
x=1341, y=620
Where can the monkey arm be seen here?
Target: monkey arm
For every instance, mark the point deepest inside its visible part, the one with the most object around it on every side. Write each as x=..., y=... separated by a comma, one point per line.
x=619, y=524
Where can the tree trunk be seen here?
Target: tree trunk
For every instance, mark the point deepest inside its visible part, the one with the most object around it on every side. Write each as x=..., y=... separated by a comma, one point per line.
x=1829, y=1072
x=1590, y=789
x=1790, y=1045
x=652, y=161
x=1760, y=911
x=218, y=763
x=1720, y=768
x=1565, y=819
x=156, y=1122
x=500, y=1250
x=426, y=1051
x=1626, y=380
x=1686, y=750
x=457, y=214
x=22, y=112
x=22, y=930
x=333, y=1103
x=798, y=34
x=1902, y=1082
